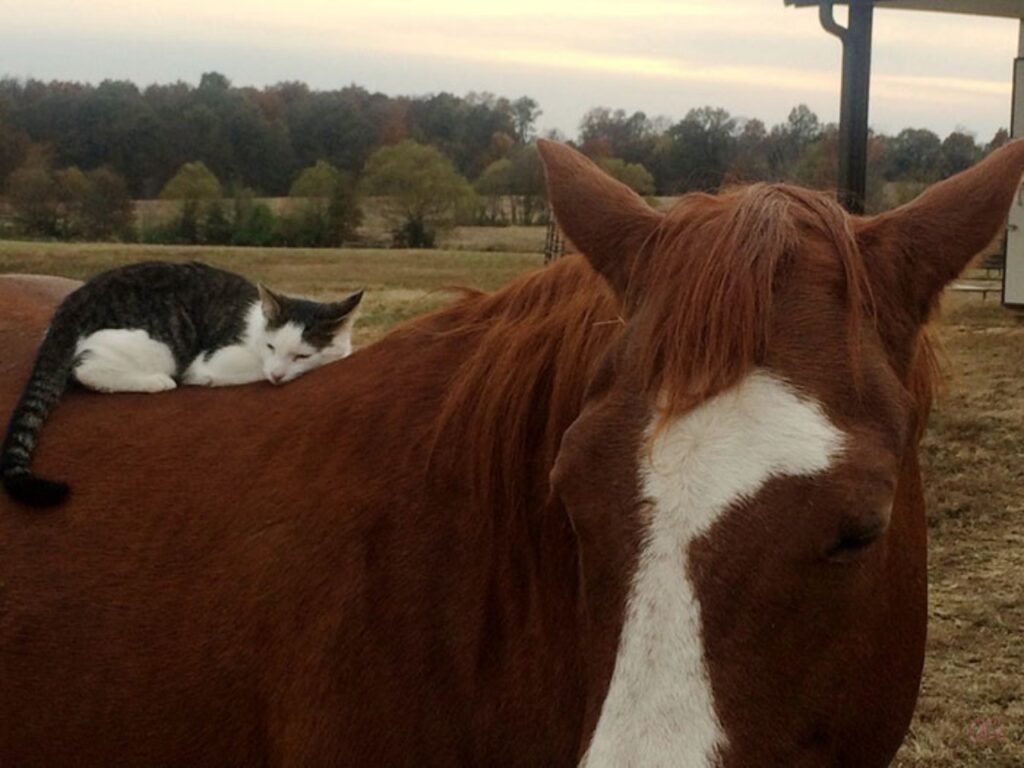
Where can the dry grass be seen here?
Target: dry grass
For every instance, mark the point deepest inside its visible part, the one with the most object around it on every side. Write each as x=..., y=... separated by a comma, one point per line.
x=971, y=710
x=508, y=239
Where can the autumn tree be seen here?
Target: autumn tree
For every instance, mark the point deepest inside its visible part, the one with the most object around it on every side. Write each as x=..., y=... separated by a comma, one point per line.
x=914, y=154
x=72, y=189
x=750, y=158
x=420, y=188
x=529, y=192
x=33, y=196
x=193, y=181
x=704, y=146
x=525, y=112
x=787, y=142
x=633, y=175
x=959, y=151
x=999, y=139
x=494, y=187
x=14, y=148
x=107, y=208
x=319, y=180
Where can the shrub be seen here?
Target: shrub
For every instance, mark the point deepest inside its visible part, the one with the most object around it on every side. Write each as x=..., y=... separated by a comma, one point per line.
x=325, y=211
x=217, y=228
x=188, y=222
x=414, y=233
x=254, y=222
x=193, y=181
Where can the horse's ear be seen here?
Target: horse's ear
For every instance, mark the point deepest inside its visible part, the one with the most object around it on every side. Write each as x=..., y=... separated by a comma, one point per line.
x=606, y=220
x=914, y=251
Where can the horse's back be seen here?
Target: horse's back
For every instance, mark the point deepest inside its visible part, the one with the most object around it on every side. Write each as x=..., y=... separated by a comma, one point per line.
x=136, y=619
x=32, y=295
x=26, y=304
x=265, y=575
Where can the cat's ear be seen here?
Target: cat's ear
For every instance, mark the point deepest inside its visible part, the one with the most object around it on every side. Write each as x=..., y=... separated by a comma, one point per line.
x=270, y=301
x=338, y=313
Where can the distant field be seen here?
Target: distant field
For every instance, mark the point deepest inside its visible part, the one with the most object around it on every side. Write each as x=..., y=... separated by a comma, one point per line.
x=375, y=229
x=971, y=710
x=399, y=284
x=508, y=239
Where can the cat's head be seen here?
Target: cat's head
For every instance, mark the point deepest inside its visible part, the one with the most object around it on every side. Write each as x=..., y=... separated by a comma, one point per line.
x=300, y=335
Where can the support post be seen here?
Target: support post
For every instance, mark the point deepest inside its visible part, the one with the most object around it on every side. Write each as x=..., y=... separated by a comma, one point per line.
x=1013, y=266
x=853, y=107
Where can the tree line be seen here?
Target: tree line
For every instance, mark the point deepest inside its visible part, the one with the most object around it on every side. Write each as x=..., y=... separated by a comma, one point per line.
x=710, y=148
x=255, y=138
x=74, y=155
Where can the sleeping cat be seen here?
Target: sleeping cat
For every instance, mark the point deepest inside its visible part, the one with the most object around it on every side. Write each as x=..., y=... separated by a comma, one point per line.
x=151, y=326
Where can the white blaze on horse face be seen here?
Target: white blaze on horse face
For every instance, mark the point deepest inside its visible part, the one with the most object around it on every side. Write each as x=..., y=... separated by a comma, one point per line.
x=660, y=708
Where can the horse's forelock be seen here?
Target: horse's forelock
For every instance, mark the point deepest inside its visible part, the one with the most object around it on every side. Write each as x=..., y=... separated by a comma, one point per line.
x=706, y=288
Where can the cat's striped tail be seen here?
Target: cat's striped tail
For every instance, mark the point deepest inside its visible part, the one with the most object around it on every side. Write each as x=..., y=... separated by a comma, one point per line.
x=44, y=389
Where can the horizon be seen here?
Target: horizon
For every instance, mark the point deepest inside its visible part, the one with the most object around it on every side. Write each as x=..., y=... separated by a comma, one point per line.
x=931, y=70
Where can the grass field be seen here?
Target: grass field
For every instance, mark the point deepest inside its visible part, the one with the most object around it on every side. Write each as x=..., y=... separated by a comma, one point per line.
x=971, y=710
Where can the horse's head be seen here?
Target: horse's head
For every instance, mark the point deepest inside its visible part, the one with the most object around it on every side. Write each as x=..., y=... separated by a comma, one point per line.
x=747, y=458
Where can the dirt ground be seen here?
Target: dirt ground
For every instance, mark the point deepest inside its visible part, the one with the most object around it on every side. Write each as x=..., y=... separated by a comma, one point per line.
x=971, y=709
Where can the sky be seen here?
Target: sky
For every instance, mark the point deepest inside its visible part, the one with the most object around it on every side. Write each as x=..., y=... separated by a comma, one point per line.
x=756, y=58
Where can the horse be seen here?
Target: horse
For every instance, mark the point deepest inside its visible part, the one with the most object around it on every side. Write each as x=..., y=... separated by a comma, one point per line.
x=658, y=503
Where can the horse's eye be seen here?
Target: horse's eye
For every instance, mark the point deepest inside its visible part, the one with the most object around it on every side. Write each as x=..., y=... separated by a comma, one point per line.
x=851, y=542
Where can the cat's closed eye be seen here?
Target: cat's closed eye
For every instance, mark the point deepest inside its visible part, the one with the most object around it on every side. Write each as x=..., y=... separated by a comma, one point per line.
x=270, y=347
x=302, y=357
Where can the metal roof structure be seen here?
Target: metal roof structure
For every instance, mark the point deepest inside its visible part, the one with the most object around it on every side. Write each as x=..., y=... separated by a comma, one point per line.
x=854, y=102
x=1009, y=9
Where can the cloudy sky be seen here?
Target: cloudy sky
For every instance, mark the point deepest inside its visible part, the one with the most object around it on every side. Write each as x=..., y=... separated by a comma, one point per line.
x=754, y=57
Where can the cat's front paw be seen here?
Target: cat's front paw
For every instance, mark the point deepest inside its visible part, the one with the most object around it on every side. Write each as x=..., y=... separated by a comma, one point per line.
x=159, y=382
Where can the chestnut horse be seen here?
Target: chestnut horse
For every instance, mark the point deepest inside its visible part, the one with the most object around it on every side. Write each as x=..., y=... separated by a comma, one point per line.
x=658, y=505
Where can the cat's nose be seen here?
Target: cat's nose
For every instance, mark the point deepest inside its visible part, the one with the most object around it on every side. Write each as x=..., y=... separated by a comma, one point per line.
x=276, y=378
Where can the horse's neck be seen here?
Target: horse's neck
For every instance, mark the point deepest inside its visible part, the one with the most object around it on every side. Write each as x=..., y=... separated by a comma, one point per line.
x=445, y=433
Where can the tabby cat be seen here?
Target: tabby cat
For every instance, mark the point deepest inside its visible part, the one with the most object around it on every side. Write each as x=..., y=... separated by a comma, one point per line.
x=148, y=328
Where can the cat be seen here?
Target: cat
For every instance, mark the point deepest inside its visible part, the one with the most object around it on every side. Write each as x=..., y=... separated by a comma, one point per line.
x=151, y=326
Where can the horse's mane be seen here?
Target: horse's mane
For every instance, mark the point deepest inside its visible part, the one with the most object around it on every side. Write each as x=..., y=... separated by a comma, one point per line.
x=532, y=349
